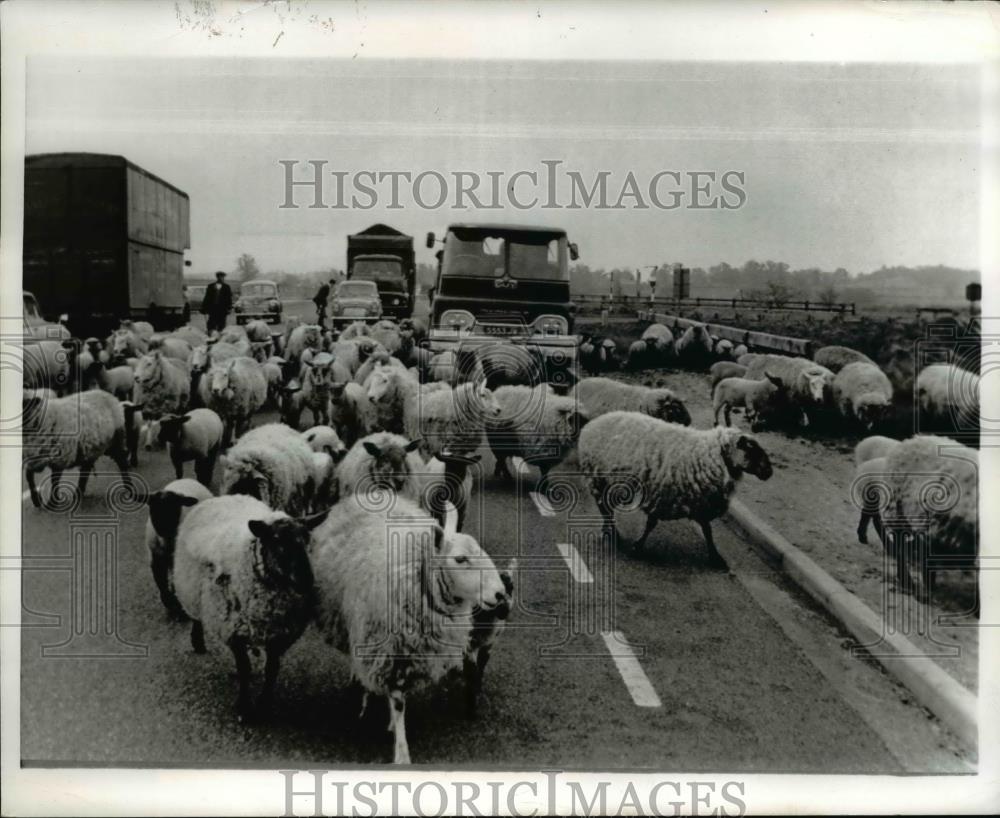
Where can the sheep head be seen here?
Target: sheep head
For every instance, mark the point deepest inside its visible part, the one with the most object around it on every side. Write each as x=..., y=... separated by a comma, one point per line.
x=222, y=381
x=279, y=547
x=165, y=509
x=389, y=466
x=742, y=453
x=871, y=409
x=469, y=581
x=170, y=428
x=380, y=385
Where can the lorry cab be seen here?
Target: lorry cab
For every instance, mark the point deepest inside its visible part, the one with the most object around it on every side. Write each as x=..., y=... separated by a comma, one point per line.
x=386, y=272
x=509, y=284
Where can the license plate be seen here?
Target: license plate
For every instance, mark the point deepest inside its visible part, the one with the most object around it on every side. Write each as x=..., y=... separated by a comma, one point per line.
x=354, y=313
x=501, y=329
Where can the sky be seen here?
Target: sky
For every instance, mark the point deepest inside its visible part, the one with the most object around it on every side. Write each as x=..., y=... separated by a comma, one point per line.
x=845, y=165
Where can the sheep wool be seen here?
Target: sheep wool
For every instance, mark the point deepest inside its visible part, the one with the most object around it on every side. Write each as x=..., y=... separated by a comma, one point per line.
x=862, y=392
x=273, y=464
x=238, y=389
x=242, y=574
x=602, y=395
x=674, y=472
x=949, y=394
x=872, y=447
x=162, y=385
x=379, y=462
x=836, y=358
x=196, y=435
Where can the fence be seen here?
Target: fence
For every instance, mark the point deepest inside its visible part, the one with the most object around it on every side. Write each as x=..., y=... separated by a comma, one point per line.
x=645, y=302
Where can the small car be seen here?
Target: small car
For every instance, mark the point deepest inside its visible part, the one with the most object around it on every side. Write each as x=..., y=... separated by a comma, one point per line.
x=258, y=299
x=355, y=301
x=37, y=328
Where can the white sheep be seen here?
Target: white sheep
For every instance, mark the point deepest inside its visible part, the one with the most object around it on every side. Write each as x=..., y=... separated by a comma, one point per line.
x=351, y=412
x=739, y=351
x=433, y=581
x=387, y=334
x=836, y=357
x=196, y=435
x=125, y=343
x=862, y=392
x=355, y=329
x=721, y=370
x=238, y=389
x=162, y=385
x=171, y=347
x=535, y=425
x=302, y=338
x=382, y=462
x=143, y=329
x=274, y=374
x=874, y=446
x=949, y=396
x=194, y=336
x=118, y=380
x=60, y=433
x=242, y=574
x=694, y=347
x=602, y=395
x=759, y=399
x=166, y=509
x=808, y=383
x=378, y=359
x=673, y=472
x=272, y=463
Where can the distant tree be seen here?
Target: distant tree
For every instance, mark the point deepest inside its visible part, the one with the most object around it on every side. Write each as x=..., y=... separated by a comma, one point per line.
x=778, y=293
x=827, y=296
x=247, y=268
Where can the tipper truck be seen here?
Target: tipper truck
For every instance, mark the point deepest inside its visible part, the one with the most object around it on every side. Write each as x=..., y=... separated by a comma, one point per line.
x=384, y=255
x=104, y=240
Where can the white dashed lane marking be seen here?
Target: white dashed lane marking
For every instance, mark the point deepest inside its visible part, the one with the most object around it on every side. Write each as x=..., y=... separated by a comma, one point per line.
x=638, y=684
x=577, y=567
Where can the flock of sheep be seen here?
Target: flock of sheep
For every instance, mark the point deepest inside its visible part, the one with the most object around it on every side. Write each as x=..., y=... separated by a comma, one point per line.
x=324, y=524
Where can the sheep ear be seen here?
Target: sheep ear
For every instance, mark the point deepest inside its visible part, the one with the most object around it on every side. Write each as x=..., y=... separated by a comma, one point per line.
x=185, y=418
x=187, y=500
x=313, y=520
x=259, y=528
x=154, y=497
x=371, y=448
x=413, y=445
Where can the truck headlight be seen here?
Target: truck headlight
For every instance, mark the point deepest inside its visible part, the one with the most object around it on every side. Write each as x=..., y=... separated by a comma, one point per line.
x=457, y=319
x=551, y=325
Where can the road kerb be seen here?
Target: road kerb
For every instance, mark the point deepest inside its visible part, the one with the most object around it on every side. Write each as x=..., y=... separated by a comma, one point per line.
x=947, y=698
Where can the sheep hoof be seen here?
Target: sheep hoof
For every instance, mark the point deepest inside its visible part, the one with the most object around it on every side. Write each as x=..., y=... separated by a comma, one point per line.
x=862, y=537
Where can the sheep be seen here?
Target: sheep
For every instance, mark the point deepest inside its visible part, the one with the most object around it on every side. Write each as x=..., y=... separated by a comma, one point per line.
x=678, y=472
x=258, y=331
x=351, y=412
x=534, y=424
x=721, y=370
x=291, y=323
x=351, y=354
x=836, y=358
x=194, y=336
x=414, y=328
x=933, y=489
x=381, y=462
x=325, y=439
x=242, y=575
x=328, y=451
x=413, y=355
x=292, y=402
x=389, y=391
x=758, y=398
x=316, y=382
x=125, y=343
x=133, y=423
x=694, y=347
x=636, y=356
x=143, y=329
x=602, y=395
x=447, y=480
x=869, y=488
x=60, y=433
x=48, y=365
x=457, y=366
x=171, y=347
x=196, y=435
x=862, y=392
x=162, y=385
x=355, y=329
x=872, y=447
x=386, y=333
x=808, y=382
x=274, y=375
x=660, y=344
x=118, y=381
x=272, y=463
x=166, y=508
x=724, y=349
x=238, y=389
x=739, y=351
x=377, y=359
x=358, y=566
x=590, y=354
x=948, y=396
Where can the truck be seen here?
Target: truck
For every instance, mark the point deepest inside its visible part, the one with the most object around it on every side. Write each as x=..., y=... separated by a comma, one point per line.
x=384, y=255
x=104, y=241
x=505, y=287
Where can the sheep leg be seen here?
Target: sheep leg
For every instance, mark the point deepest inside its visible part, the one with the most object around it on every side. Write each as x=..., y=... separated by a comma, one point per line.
x=651, y=521
x=474, y=671
x=175, y=458
x=197, y=636
x=203, y=469
x=54, y=487
x=607, y=515
x=397, y=714
x=160, y=566
x=271, y=667
x=727, y=414
x=36, y=498
x=244, y=710
x=713, y=553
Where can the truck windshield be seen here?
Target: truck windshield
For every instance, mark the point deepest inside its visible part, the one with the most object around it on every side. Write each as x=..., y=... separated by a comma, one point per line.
x=30, y=307
x=378, y=269
x=521, y=255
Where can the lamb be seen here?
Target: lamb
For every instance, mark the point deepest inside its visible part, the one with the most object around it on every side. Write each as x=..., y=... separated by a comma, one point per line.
x=358, y=567
x=808, y=383
x=238, y=389
x=166, y=509
x=694, y=347
x=934, y=486
x=870, y=491
x=242, y=574
x=760, y=399
x=292, y=403
x=272, y=463
x=196, y=435
x=133, y=423
x=721, y=370
x=381, y=462
x=836, y=358
x=328, y=451
x=678, y=472
x=862, y=392
x=118, y=381
x=534, y=424
x=316, y=383
x=724, y=349
x=60, y=433
x=325, y=439
x=949, y=396
x=602, y=395
x=351, y=412
x=162, y=385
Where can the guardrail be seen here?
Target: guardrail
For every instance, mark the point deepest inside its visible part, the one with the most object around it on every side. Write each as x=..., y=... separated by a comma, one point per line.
x=755, y=341
x=638, y=302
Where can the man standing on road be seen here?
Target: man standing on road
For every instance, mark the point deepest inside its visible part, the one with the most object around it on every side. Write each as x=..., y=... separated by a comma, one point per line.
x=320, y=301
x=218, y=303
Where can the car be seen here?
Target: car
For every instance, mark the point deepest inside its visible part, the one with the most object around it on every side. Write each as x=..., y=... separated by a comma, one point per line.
x=36, y=328
x=355, y=300
x=196, y=295
x=258, y=299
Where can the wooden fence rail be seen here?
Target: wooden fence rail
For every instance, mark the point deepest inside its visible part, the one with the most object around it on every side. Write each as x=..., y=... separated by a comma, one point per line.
x=640, y=302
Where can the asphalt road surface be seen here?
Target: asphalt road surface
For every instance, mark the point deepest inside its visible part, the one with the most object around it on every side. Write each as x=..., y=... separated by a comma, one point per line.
x=608, y=661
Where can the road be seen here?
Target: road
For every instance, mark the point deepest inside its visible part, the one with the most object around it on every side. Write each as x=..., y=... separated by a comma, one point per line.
x=608, y=661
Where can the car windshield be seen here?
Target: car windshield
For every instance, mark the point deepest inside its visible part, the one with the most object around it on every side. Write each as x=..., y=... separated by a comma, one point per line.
x=356, y=289
x=378, y=269
x=30, y=307
x=491, y=254
x=258, y=290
